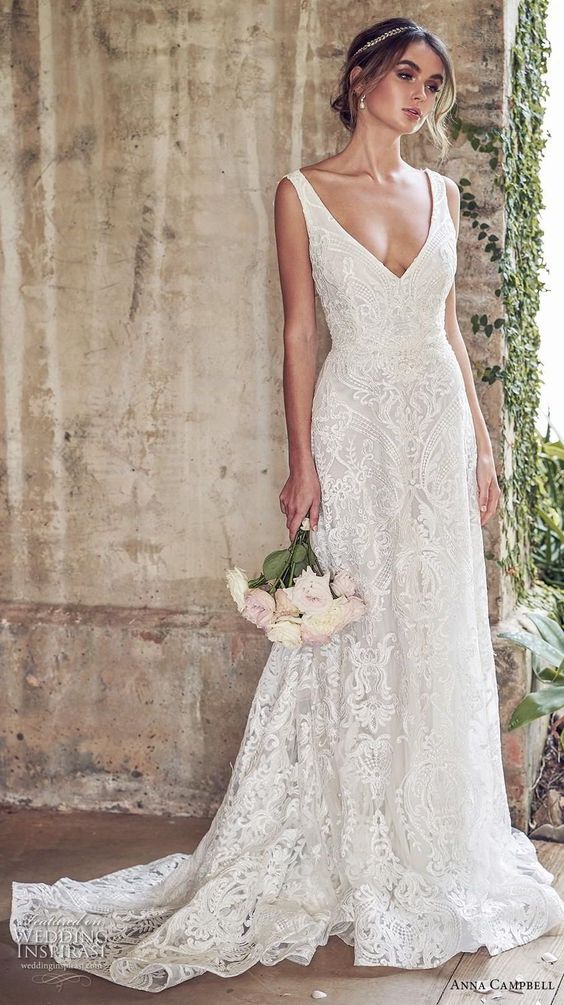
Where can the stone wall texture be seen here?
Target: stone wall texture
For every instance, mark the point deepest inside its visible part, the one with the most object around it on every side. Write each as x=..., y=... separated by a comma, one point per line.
x=143, y=433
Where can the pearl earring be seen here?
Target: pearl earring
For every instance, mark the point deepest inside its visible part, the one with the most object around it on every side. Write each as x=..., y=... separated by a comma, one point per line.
x=361, y=103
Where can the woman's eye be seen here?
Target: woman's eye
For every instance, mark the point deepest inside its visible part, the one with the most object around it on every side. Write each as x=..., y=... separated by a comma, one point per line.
x=409, y=76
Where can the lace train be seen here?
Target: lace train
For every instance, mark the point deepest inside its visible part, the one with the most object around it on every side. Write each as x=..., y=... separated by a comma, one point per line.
x=302, y=849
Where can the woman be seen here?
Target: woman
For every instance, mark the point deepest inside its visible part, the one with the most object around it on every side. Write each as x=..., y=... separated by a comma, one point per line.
x=367, y=799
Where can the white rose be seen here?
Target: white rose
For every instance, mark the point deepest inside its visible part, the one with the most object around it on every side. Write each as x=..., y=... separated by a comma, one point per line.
x=238, y=585
x=284, y=605
x=287, y=632
x=319, y=627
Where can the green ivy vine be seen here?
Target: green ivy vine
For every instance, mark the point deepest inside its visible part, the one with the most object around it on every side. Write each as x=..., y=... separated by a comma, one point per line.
x=514, y=155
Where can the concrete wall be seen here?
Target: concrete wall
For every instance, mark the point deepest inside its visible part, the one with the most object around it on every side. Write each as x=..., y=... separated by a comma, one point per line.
x=143, y=430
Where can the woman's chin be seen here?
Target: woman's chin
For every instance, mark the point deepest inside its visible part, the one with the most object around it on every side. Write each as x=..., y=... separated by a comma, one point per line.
x=409, y=123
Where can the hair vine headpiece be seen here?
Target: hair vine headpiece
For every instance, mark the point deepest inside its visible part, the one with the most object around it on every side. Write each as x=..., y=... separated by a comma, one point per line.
x=394, y=31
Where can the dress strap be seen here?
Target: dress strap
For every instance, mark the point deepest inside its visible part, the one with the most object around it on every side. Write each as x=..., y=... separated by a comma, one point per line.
x=300, y=184
x=297, y=179
x=440, y=194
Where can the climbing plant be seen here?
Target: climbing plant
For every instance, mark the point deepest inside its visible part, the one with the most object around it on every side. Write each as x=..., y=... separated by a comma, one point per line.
x=514, y=157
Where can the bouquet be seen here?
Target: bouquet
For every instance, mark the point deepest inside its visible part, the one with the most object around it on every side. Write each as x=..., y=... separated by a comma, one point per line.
x=292, y=600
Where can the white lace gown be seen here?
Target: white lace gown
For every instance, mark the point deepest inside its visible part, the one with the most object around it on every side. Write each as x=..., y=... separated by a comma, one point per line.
x=367, y=799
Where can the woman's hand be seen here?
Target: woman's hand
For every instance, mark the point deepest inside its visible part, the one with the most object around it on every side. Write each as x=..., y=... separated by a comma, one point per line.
x=301, y=495
x=488, y=488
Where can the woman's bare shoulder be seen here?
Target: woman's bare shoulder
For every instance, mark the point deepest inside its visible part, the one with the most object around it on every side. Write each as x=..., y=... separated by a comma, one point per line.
x=329, y=165
x=307, y=171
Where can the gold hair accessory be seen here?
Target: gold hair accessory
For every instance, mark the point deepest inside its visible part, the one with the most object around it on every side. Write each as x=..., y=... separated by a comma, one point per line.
x=394, y=31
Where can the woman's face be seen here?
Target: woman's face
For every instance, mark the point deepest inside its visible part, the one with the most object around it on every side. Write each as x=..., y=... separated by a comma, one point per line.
x=413, y=82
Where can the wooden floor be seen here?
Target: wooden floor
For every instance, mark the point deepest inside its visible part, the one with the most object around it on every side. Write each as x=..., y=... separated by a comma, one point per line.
x=39, y=846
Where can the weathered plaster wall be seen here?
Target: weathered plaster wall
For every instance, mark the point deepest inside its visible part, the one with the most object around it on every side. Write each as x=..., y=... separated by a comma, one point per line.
x=143, y=430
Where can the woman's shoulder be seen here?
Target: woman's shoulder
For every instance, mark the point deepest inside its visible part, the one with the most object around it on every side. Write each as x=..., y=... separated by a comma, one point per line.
x=325, y=166
x=304, y=170
x=286, y=185
x=297, y=178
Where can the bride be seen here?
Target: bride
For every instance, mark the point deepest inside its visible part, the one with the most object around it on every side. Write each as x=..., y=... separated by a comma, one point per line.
x=367, y=799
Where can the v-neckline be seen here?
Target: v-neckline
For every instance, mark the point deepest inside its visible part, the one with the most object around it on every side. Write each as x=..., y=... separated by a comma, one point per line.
x=366, y=251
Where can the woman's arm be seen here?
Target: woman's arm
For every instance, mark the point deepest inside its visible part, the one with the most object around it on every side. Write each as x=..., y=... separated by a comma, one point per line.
x=488, y=487
x=301, y=494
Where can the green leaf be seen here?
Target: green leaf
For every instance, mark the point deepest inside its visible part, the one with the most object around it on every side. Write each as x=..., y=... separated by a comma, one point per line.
x=526, y=640
x=537, y=704
x=549, y=630
x=300, y=553
x=547, y=519
x=275, y=563
x=550, y=675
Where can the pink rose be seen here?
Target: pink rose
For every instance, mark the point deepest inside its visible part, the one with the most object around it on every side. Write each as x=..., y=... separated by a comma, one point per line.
x=310, y=592
x=343, y=584
x=259, y=608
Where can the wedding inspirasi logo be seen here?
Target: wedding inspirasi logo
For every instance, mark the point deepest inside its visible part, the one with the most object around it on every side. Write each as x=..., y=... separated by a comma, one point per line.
x=63, y=944
x=519, y=984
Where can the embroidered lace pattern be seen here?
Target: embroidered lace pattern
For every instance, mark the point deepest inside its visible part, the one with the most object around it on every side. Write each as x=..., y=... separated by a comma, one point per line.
x=367, y=799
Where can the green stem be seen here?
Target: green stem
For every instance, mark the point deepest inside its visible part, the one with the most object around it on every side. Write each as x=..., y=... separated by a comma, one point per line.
x=289, y=563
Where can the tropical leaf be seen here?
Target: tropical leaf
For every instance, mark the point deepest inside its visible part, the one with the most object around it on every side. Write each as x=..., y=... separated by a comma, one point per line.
x=554, y=450
x=549, y=630
x=548, y=654
x=551, y=523
x=537, y=704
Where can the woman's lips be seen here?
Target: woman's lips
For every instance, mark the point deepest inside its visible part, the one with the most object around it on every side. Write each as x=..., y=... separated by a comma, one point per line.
x=413, y=115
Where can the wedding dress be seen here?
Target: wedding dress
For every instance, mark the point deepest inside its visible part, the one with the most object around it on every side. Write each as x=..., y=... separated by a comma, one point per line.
x=367, y=799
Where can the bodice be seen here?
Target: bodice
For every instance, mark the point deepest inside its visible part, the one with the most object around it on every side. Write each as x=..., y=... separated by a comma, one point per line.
x=367, y=307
